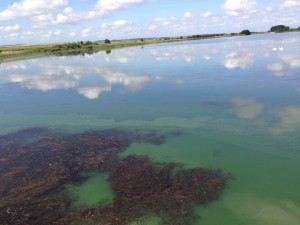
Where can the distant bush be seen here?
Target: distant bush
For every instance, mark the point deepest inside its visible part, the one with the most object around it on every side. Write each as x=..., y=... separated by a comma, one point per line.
x=245, y=32
x=279, y=28
x=106, y=41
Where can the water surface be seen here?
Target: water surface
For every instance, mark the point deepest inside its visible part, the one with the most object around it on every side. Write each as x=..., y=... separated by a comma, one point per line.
x=235, y=100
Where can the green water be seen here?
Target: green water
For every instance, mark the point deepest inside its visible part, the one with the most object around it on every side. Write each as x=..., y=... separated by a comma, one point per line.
x=95, y=190
x=235, y=100
x=264, y=187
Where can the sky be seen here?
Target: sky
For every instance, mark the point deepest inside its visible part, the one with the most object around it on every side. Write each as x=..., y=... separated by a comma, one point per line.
x=56, y=21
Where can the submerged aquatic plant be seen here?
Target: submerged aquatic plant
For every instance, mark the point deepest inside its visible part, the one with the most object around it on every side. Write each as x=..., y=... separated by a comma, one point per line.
x=34, y=175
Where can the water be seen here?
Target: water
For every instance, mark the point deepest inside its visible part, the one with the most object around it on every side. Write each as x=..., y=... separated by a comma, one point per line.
x=95, y=190
x=235, y=100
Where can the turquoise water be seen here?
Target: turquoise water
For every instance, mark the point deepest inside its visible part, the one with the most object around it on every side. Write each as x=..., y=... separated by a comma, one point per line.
x=93, y=191
x=235, y=100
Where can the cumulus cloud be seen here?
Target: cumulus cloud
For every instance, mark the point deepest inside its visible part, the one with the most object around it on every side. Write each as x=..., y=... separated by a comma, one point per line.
x=30, y=7
x=290, y=3
x=247, y=108
x=44, y=13
x=86, y=32
x=207, y=14
x=10, y=28
x=152, y=27
x=116, y=25
x=237, y=7
x=27, y=34
x=57, y=32
x=187, y=15
x=72, y=34
x=104, y=7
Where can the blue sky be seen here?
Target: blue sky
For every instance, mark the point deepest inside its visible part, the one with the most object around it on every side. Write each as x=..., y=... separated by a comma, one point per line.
x=48, y=21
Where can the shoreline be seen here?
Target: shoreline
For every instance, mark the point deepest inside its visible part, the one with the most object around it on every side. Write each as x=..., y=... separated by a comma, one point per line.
x=23, y=52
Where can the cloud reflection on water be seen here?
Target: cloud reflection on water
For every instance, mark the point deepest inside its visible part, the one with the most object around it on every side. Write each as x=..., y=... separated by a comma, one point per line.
x=247, y=108
x=47, y=77
x=200, y=64
x=240, y=59
x=289, y=119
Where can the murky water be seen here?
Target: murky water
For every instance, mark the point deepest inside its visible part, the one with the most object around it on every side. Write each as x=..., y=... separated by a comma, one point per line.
x=235, y=100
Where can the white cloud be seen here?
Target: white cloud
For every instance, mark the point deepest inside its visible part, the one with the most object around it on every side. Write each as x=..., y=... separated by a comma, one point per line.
x=207, y=14
x=268, y=9
x=187, y=15
x=152, y=27
x=27, y=34
x=105, y=7
x=57, y=32
x=86, y=32
x=117, y=24
x=72, y=34
x=13, y=36
x=29, y=8
x=42, y=12
x=68, y=10
x=42, y=20
x=247, y=108
x=47, y=35
x=60, y=18
x=158, y=19
x=290, y=3
x=237, y=7
x=10, y=28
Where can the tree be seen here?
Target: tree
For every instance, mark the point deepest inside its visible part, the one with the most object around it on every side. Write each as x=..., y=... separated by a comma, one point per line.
x=106, y=41
x=279, y=28
x=245, y=32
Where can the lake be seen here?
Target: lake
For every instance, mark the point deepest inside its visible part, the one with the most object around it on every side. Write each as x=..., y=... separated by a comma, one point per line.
x=227, y=104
